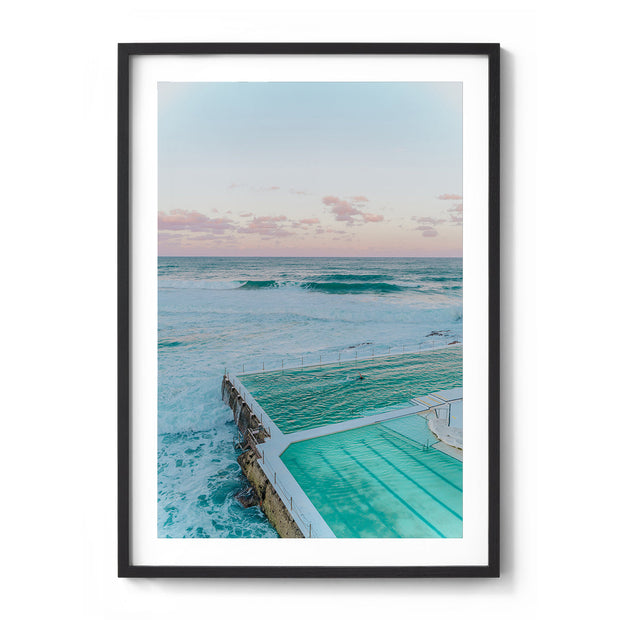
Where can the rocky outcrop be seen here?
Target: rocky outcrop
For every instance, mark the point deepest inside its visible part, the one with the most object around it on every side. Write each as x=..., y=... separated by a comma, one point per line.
x=247, y=497
x=261, y=491
x=268, y=499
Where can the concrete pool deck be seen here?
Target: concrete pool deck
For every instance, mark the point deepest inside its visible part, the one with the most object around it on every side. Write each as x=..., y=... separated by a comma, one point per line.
x=275, y=442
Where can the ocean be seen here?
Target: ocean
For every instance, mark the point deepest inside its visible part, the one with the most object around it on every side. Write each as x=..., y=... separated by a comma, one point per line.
x=244, y=314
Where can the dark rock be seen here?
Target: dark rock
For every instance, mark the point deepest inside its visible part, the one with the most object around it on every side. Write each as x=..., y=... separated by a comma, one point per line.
x=247, y=497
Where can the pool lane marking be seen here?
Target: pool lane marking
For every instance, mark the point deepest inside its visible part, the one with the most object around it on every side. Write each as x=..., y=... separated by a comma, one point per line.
x=417, y=484
x=422, y=463
x=333, y=507
x=398, y=497
x=359, y=495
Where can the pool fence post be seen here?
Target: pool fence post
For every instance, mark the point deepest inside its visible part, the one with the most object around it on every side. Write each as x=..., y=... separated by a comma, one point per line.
x=291, y=503
x=310, y=530
x=243, y=368
x=275, y=478
x=302, y=361
x=263, y=364
x=320, y=360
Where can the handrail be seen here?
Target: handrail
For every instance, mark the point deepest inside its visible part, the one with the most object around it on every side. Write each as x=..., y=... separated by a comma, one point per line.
x=289, y=502
x=302, y=521
x=323, y=360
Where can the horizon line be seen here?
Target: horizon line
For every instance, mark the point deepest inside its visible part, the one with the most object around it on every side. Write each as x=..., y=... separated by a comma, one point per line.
x=296, y=256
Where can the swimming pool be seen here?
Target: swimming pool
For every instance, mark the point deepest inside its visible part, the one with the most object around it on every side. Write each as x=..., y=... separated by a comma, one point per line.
x=381, y=481
x=300, y=399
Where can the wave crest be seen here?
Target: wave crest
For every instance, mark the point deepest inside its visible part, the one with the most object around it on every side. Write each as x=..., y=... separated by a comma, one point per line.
x=338, y=285
x=217, y=285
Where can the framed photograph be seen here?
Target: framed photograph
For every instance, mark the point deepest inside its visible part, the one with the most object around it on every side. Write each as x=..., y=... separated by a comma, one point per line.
x=308, y=255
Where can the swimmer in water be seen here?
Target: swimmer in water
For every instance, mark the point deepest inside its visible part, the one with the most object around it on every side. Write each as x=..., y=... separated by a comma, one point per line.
x=361, y=376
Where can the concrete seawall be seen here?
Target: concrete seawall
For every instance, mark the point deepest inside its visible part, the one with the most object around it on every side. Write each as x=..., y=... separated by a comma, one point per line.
x=246, y=421
x=269, y=501
x=253, y=434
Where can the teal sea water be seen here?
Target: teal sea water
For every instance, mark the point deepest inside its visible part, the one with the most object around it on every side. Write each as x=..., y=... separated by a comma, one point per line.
x=240, y=313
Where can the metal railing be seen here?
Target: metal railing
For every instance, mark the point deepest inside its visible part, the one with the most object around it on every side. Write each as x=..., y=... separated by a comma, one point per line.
x=346, y=356
x=304, y=524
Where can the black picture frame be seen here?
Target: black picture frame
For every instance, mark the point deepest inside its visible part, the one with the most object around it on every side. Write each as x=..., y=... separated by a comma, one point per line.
x=127, y=51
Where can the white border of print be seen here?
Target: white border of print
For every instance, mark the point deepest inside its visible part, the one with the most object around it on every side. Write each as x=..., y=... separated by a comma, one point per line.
x=146, y=547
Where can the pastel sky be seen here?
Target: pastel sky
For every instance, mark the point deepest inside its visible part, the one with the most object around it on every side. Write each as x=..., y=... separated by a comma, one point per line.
x=310, y=169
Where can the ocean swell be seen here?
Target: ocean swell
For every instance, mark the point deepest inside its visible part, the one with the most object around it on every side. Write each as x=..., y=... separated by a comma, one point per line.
x=339, y=285
x=344, y=288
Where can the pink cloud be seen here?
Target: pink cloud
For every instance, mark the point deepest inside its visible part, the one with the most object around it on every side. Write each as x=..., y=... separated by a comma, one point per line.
x=450, y=197
x=180, y=219
x=456, y=214
x=342, y=209
x=210, y=237
x=345, y=210
x=310, y=220
x=427, y=231
x=428, y=220
x=267, y=226
x=169, y=236
x=246, y=214
x=345, y=213
x=334, y=201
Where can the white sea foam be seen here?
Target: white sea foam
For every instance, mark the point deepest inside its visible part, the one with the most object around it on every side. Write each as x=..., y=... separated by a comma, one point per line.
x=216, y=285
x=207, y=324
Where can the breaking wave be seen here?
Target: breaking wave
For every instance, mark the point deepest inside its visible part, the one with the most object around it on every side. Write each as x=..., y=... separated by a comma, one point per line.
x=338, y=285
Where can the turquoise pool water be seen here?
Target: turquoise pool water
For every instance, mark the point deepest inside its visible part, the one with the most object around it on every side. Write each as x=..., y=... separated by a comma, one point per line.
x=299, y=399
x=376, y=482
